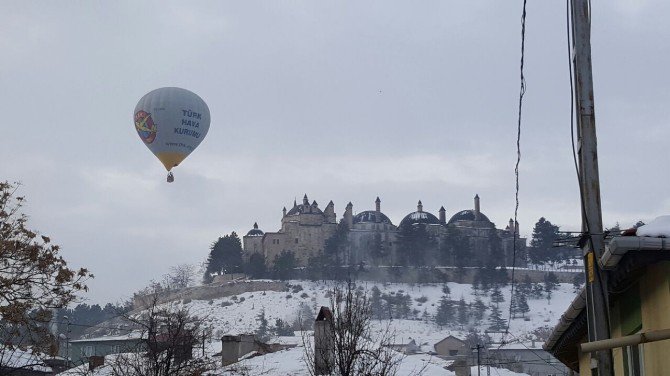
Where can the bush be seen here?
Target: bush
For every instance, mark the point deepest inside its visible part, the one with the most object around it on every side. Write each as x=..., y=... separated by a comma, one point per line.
x=186, y=301
x=289, y=296
x=297, y=289
x=241, y=300
x=422, y=299
x=226, y=304
x=304, y=295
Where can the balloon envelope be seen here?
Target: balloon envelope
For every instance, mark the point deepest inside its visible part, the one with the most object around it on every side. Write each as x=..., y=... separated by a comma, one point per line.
x=172, y=122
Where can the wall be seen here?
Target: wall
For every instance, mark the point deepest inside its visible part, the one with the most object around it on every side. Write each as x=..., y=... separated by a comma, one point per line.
x=655, y=298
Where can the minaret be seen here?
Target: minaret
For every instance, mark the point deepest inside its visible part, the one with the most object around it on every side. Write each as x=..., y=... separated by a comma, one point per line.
x=443, y=215
x=255, y=225
x=510, y=226
x=349, y=215
x=378, y=210
x=284, y=212
x=419, y=207
x=477, y=212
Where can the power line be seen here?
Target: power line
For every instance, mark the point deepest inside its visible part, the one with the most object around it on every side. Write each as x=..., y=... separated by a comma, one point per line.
x=522, y=91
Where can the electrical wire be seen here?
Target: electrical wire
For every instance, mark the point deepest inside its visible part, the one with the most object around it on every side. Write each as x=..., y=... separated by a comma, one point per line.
x=522, y=91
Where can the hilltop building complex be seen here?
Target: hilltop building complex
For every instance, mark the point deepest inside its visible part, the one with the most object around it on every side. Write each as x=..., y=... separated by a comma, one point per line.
x=468, y=238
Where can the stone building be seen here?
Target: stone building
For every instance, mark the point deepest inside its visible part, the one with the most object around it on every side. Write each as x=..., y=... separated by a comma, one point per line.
x=373, y=238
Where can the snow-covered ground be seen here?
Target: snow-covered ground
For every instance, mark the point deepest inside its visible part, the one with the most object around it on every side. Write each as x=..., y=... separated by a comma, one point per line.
x=239, y=314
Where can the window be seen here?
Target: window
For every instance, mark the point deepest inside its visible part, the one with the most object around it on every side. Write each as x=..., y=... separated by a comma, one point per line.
x=115, y=349
x=296, y=240
x=88, y=350
x=632, y=361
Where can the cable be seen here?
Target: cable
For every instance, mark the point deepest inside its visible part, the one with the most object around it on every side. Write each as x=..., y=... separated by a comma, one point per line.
x=536, y=354
x=522, y=91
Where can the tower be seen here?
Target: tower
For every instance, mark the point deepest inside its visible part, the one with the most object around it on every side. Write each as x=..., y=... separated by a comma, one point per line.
x=330, y=213
x=378, y=209
x=349, y=215
x=477, y=211
x=443, y=215
x=419, y=207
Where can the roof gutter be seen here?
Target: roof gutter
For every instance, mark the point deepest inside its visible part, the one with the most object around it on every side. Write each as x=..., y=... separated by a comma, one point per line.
x=631, y=340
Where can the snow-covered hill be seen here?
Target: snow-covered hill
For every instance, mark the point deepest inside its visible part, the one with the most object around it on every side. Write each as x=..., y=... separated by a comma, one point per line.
x=239, y=314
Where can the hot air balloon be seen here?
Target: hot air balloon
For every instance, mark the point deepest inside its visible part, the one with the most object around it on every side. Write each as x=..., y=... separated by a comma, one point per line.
x=171, y=122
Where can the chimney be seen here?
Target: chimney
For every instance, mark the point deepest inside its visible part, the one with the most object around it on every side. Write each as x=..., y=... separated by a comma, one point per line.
x=419, y=207
x=230, y=349
x=477, y=212
x=324, y=348
x=95, y=361
x=443, y=215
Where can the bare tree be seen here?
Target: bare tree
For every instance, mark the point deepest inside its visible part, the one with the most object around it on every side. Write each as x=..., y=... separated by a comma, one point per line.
x=356, y=349
x=171, y=336
x=34, y=280
x=181, y=276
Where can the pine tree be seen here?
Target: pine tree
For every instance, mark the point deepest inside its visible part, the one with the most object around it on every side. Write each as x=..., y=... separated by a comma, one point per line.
x=282, y=329
x=542, y=243
x=284, y=265
x=263, y=331
x=497, y=296
x=446, y=290
x=336, y=253
x=496, y=322
x=526, y=285
x=225, y=255
x=376, y=303
x=522, y=305
x=255, y=268
x=479, y=310
x=445, y=312
x=550, y=282
x=463, y=312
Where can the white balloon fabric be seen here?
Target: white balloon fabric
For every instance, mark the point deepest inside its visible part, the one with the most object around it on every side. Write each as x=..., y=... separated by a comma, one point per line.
x=172, y=122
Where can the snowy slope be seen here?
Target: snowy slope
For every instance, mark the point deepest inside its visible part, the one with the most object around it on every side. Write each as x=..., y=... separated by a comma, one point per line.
x=238, y=314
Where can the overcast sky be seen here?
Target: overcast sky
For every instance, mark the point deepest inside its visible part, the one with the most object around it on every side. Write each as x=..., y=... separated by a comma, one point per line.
x=344, y=101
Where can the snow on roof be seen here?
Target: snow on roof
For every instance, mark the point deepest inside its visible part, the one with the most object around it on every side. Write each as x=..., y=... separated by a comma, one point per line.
x=658, y=228
x=16, y=358
x=124, y=337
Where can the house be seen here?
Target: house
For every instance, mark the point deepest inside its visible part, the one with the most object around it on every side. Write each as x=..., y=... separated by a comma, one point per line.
x=14, y=361
x=639, y=308
x=81, y=349
x=452, y=347
x=406, y=348
x=528, y=358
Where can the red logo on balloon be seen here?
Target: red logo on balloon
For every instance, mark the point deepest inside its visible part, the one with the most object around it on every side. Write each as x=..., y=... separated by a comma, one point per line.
x=145, y=126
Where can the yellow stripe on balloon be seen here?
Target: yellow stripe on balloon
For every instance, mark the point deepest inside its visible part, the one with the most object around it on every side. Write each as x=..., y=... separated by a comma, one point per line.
x=171, y=159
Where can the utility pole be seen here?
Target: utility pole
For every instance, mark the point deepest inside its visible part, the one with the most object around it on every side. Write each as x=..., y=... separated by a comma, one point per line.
x=597, y=306
x=478, y=348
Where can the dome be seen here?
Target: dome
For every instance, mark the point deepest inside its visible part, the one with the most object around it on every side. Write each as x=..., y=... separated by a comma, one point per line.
x=370, y=216
x=419, y=217
x=255, y=231
x=468, y=215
